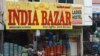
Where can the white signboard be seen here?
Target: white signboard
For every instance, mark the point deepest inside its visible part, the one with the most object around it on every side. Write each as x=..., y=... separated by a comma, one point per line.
x=87, y=12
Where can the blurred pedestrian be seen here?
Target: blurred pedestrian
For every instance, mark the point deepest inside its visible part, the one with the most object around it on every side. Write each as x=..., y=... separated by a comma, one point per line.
x=25, y=51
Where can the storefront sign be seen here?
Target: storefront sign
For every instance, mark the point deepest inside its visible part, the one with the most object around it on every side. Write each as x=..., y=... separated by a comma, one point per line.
x=77, y=15
x=32, y=15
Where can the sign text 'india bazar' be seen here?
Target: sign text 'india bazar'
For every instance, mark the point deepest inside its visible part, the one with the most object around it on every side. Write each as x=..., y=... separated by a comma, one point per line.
x=32, y=15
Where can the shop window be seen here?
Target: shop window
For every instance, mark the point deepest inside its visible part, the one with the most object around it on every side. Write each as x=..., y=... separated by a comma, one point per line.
x=37, y=0
x=69, y=1
x=62, y=1
x=65, y=1
x=34, y=0
x=98, y=24
x=30, y=0
x=96, y=16
x=17, y=37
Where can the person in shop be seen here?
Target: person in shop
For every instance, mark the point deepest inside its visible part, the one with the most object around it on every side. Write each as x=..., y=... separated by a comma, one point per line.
x=68, y=47
x=65, y=44
x=25, y=51
x=40, y=51
x=50, y=38
x=30, y=50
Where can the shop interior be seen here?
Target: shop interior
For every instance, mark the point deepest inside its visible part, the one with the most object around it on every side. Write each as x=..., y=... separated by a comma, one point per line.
x=53, y=42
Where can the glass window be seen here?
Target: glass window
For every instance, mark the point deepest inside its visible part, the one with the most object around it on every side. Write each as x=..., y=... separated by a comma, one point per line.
x=34, y=0
x=37, y=0
x=62, y=1
x=30, y=0
x=69, y=1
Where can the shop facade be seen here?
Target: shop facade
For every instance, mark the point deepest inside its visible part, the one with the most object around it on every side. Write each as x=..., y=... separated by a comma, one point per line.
x=73, y=39
x=53, y=42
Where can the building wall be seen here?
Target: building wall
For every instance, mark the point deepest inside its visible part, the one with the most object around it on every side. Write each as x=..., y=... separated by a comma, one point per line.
x=96, y=1
x=1, y=14
x=1, y=26
x=79, y=2
x=96, y=5
x=24, y=0
x=49, y=1
x=87, y=12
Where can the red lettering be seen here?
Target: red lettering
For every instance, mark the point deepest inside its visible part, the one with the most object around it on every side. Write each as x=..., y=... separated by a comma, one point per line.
x=50, y=19
x=44, y=17
x=29, y=16
x=68, y=16
x=24, y=17
x=59, y=18
x=35, y=20
x=56, y=14
x=62, y=18
x=13, y=16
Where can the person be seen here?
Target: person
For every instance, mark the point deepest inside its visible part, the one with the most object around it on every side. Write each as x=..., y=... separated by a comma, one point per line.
x=1, y=54
x=25, y=51
x=40, y=51
x=30, y=50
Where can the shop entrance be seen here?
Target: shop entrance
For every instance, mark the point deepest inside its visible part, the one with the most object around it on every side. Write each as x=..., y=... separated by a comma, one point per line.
x=75, y=45
x=17, y=37
x=53, y=42
x=14, y=42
